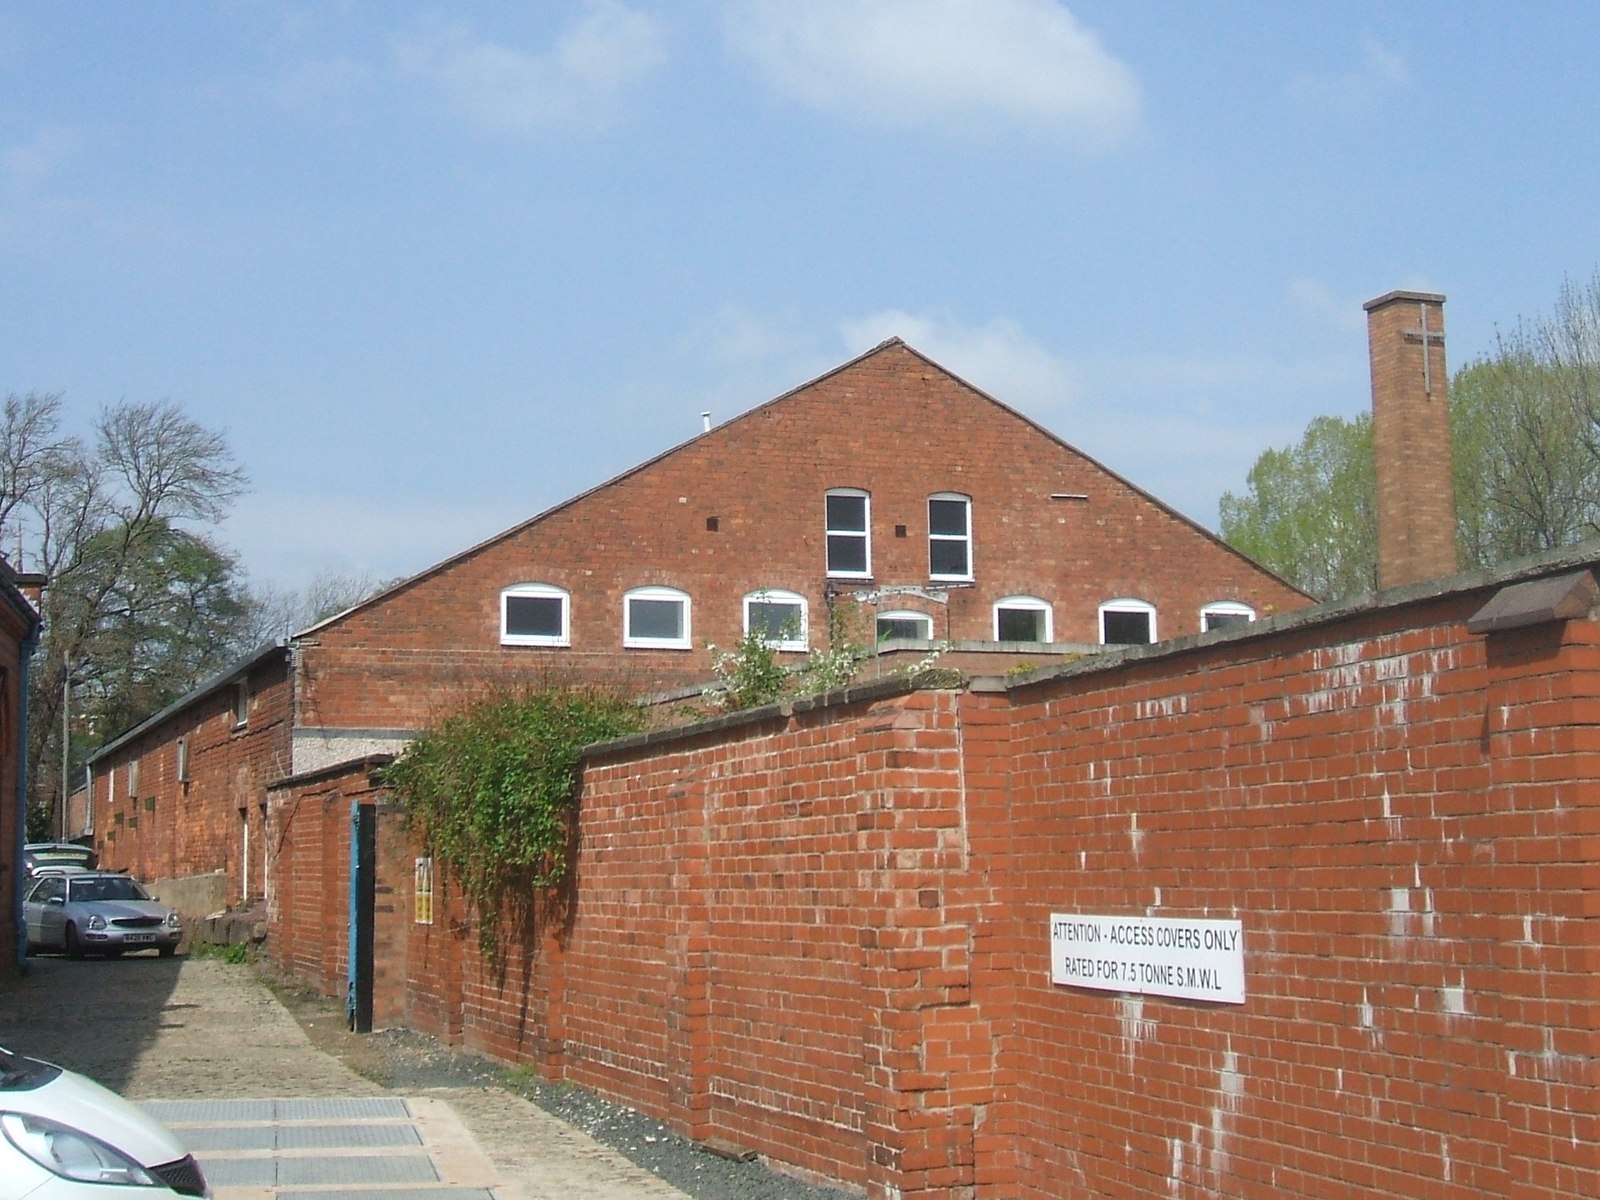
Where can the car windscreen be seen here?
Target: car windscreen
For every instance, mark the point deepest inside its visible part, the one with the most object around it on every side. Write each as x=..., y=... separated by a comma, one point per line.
x=105, y=887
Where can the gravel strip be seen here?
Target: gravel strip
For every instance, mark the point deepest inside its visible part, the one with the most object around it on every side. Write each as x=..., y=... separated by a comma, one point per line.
x=407, y=1062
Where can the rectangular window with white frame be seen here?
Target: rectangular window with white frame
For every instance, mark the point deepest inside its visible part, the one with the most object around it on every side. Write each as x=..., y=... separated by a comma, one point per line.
x=535, y=614
x=183, y=759
x=1127, y=623
x=778, y=618
x=904, y=627
x=848, y=513
x=656, y=618
x=1022, y=619
x=241, y=703
x=950, y=537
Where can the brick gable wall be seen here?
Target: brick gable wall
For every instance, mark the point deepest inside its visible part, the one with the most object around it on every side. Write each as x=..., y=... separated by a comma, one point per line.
x=890, y=423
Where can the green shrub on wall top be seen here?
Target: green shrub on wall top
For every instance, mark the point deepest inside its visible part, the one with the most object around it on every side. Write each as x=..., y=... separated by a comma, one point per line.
x=492, y=790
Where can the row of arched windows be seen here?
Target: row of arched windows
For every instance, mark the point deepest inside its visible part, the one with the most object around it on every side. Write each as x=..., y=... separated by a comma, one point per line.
x=660, y=618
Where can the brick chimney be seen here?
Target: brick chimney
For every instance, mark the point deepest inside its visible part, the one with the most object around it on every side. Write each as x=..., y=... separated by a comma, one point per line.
x=1411, y=438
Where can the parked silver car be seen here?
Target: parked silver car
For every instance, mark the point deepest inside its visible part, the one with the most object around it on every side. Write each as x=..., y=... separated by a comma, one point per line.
x=99, y=912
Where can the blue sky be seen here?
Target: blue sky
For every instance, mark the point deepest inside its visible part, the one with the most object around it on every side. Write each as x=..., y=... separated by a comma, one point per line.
x=435, y=267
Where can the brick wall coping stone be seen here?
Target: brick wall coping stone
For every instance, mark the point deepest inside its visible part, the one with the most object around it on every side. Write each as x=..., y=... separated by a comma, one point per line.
x=367, y=762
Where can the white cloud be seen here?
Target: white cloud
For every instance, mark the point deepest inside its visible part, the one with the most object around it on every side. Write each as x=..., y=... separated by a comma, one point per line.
x=998, y=358
x=32, y=163
x=578, y=84
x=1379, y=73
x=940, y=63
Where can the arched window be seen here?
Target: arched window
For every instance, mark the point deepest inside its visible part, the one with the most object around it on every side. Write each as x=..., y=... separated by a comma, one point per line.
x=1220, y=614
x=535, y=614
x=1127, y=622
x=656, y=618
x=904, y=627
x=1022, y=619
x=848, y=513
x=779, y=617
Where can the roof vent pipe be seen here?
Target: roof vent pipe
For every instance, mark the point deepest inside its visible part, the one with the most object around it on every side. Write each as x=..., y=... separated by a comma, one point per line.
x=705, y=422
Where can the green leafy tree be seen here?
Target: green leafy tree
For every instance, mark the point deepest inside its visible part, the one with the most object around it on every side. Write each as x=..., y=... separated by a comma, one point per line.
x=1309, y=513
x=139, y=602
x=1526, y=477
x=1525, y=441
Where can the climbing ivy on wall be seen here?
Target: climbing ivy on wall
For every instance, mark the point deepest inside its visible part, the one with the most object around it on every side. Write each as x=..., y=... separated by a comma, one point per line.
x=492, y=790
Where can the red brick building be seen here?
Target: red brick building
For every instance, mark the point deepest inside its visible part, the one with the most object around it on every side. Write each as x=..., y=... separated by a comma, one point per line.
x=19, y=634
x=184, y=793
x=887, y=499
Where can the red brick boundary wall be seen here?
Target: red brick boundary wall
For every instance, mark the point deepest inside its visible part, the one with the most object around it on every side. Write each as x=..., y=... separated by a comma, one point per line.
x=824, y=933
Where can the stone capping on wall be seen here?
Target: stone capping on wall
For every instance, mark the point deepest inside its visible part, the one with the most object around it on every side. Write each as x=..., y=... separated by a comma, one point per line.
x=1536, y=602
x=367, y=763
x=856, y=693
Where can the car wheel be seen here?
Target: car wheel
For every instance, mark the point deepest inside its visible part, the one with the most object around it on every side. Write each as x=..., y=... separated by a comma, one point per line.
x=74, y=946
x=166, y=951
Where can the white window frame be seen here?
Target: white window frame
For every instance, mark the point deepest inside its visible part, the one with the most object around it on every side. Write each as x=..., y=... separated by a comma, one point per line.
x=965, y=538
x=656, y=593
x=241, y=703
x=864, y=533
x=1127, y=604
x=183, y=759
x=907, y=614
x=800, y=639
x=133, y=779
x=538, y=591
x=1225, y=608
x=1027, y=604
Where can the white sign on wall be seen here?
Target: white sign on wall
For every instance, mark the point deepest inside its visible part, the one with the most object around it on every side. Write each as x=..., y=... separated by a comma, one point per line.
x=1161, y=956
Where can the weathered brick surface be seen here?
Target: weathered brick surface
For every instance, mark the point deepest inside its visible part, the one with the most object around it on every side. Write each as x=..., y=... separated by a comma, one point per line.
x=891, y=423
x=170, y=827
x=825, y=935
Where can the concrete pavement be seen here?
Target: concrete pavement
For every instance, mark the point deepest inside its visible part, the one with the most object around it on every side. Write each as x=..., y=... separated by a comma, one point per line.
x=208, y=1049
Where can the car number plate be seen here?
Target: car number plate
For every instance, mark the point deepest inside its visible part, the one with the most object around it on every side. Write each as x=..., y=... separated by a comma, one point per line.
x=138, y=937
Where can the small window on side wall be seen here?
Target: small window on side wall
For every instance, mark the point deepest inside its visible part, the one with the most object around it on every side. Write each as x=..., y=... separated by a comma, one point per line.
x=534, y=614
x=1223, y=613
x=848, y=531
x=656, y=618
x=1022, y=619
x=1127, y=623
x=241, y=703
x=949, y=536
x=778, y=617
x=904, y=627
x=183, y=760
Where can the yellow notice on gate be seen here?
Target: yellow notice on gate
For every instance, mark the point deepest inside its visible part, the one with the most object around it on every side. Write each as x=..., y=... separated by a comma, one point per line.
x=1190, y=958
